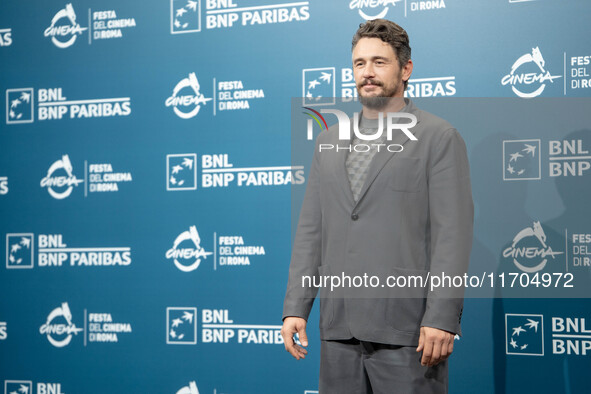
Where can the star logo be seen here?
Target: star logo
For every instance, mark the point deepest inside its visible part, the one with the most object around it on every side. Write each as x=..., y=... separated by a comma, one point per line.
x=19, y=106
x=181, y=171
x=181, y=326
x=521, y=160
x=19, y=251
x=524, y=334
x=185, y=16
x=318, y=86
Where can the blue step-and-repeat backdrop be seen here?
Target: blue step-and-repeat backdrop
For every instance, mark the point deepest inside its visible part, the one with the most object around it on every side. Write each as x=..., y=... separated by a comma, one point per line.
x=147, y=179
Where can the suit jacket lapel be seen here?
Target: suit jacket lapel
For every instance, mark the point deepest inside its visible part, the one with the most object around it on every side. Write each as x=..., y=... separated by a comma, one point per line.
x=343, y=176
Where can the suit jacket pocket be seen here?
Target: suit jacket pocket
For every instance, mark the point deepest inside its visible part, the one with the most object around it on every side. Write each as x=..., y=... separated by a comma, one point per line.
x=406, y=303
x=405, y=174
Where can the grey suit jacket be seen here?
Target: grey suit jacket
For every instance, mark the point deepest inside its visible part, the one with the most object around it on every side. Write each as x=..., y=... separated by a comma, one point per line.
x=414, y=218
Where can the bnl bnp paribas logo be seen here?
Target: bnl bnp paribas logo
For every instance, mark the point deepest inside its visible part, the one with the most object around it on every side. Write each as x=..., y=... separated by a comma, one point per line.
x=376, y=9
x=524, y=335
x=186, y=15
x=53, y=252
x=20, y=106
x=216, y=326
x=18, y=387
x=5, y=37
x=565, y=158
x=521, y=160
x=27, y=387
x=20, y=250
x=528, y=76
x=53, y=105
x=529, y=250
x=3, y=185
x=181, y=171
x=321, y=85
x=218, y=171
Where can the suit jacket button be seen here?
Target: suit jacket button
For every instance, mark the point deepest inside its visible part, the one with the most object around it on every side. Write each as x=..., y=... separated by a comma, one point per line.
x=354, y=216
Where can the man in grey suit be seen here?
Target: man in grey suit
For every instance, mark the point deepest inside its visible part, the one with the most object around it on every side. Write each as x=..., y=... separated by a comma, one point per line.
x=401, y=210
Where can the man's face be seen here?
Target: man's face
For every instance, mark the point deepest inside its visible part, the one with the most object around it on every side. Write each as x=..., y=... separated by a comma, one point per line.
x=377, y=73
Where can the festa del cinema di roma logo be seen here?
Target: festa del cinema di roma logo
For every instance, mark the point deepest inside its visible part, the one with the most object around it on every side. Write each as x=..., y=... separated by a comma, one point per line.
x=530, y=245
x=190, y=389
x=60, y=186
x=516, y=79
x=361, y=4
x=64, y=35
x=59, y=327
x=186, y=99
x=186, y=258
x=375, y=9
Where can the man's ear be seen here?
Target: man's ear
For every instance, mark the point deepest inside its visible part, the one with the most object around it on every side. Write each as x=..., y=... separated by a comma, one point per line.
x=407, y=70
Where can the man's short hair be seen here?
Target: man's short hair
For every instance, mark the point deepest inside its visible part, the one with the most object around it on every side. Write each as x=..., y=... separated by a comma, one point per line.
x=390, y=33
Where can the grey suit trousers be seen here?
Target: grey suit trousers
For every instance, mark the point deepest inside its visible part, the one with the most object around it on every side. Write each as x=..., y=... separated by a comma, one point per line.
x=359, y=367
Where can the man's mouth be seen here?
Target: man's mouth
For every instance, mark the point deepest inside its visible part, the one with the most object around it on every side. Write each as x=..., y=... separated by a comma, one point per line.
x=371, y=84
x=371, y=89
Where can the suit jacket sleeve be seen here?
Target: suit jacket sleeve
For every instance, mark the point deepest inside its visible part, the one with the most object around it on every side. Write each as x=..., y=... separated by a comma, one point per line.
x=451, y=215
x=306, y=253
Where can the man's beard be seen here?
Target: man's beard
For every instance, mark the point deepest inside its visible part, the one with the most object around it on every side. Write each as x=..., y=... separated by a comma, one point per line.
x=376, y=102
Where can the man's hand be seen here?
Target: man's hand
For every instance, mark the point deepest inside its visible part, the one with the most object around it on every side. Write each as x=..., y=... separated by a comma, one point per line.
x=292, y=325
x=436, y=345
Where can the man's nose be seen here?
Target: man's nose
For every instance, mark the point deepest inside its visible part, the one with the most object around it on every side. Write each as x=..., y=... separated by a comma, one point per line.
x=368, y=71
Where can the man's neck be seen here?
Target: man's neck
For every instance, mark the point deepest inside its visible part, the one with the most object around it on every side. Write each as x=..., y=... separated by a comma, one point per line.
x=395, y=104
